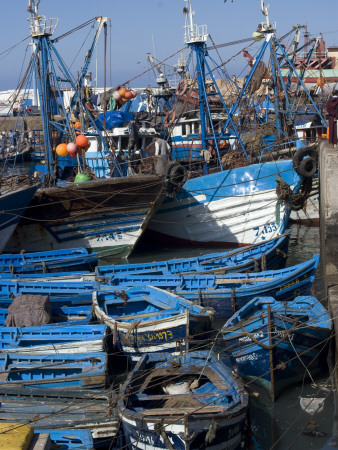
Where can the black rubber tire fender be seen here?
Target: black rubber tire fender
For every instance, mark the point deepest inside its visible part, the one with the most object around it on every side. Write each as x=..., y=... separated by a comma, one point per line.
x=303, y=152
x=170, y=166
x=178, y=174
x=307, y=167
x=298, y=204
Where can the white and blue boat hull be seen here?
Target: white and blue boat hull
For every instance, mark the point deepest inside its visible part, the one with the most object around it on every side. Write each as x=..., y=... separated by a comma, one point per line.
x=234, y=207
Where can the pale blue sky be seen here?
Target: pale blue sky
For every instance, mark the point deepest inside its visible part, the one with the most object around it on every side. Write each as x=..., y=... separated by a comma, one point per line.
x=140, y=26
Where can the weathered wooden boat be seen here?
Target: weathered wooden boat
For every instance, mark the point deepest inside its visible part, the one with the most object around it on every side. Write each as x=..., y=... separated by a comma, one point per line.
x=145, y=320
x=53, y=339
x=105, y=215
x=277, y=343
x=69, y=439
x=210, y=209
x=24, y=436
x=185, y=402
x=263, y=256
x=57, y=260
x=65, y=315
x=53, y=287
x=13, y=204
x=58, y=303
x=54, y=370
x=69, y=409
x=228, y=293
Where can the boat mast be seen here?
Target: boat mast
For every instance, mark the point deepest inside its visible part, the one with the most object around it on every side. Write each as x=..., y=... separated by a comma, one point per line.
x=41, y=30
x=196, y=37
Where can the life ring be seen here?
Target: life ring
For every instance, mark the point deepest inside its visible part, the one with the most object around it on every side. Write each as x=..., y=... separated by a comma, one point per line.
x=169, y=118
x=184, y=89
x=305, y=161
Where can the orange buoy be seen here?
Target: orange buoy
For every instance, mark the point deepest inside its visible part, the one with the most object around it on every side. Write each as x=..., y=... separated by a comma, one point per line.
x=61, y=150
x=320, y=81
x=77, y=125
x=122, y=91
x=81, y=140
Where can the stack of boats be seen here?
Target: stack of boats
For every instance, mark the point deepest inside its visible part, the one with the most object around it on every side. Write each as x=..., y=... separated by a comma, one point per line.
x=67, y=338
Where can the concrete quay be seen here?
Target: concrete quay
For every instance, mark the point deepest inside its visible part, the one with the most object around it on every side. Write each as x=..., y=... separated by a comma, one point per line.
x=328, y=199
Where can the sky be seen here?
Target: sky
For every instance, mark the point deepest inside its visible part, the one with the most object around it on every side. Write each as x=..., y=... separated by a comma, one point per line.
x=139, y=27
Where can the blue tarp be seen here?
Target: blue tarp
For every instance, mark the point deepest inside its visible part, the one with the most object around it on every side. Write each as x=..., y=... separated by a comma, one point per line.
x=114, y=119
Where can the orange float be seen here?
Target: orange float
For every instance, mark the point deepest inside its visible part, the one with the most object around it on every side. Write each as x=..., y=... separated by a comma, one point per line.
x=61, y=150
x=81, y=141
x=77, y=125
x=122, y=91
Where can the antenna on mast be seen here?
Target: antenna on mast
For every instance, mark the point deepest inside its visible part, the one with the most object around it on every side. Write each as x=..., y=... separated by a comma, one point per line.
x=265, y=11
x=192, y=32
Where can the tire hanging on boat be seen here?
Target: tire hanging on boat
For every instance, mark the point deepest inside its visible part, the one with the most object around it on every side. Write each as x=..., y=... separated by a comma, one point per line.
x=286, y=194
x=176, y=176
x=305, y=161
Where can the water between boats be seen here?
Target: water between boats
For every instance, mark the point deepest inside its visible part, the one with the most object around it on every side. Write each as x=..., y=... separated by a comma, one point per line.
x=283, y=424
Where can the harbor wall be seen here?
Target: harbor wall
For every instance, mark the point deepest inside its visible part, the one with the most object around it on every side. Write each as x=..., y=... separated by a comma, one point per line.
x=328, y=196
x=30, y=123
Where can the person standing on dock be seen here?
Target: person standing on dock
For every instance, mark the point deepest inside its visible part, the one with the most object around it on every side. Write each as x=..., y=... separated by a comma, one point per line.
x=162, y=155
x=133, y=144
x=332, y=109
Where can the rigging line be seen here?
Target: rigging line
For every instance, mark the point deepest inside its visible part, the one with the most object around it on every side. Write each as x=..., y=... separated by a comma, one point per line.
x=227, y=44
x=76, y=195
x=74, y=29
x=151, y=68
x=81, y=47
x=11, y=48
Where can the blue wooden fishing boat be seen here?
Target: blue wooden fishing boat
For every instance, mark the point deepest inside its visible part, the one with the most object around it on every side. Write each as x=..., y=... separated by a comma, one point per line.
x=263, y=256
x=16, y=433
x=56, y=260
x=64, y=409
x=13, y=204
x=277, y=343
x=51, y=288
x=58, y=302
x=53, y=339
x=145, y=320
x=53, y=370
x=69, y=439
x=228, y=293
x=75, y=315
x=189, y=401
